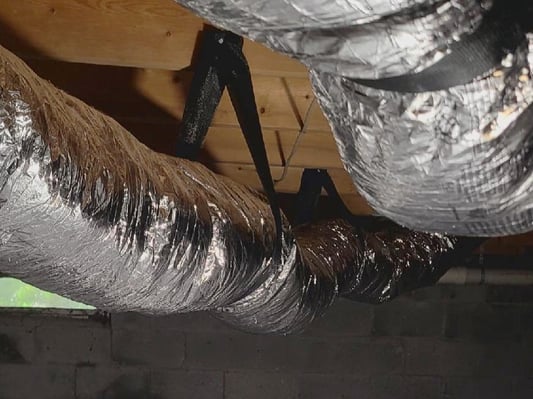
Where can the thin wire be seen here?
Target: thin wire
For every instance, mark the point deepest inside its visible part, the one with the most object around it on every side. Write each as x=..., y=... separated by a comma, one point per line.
x=303, y=130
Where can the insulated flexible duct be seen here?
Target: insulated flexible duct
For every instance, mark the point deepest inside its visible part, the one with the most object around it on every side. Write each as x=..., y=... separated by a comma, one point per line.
x=456, y=160
x=88, y=212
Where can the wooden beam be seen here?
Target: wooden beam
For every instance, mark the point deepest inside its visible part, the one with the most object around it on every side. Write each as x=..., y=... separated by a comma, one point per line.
x=159, y=95
x=139, y=33
x=281, y=103
x=314, y=149
x=246, y=174
x=513, y=245
x=225, y=152
x=149, y=103
x=226, y=144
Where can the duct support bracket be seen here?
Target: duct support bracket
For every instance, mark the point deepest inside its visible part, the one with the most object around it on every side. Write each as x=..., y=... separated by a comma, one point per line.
x=222, y=64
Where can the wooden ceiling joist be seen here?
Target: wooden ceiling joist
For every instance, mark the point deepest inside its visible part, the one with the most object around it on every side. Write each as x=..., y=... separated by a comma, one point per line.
x=153, y=39
x=138, y=33
x=131, y=59
x=150, y=104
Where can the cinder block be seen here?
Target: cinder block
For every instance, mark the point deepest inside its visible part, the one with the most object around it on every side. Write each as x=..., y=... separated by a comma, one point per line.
x=110, y=382
x=244, y=385
x=525, y=321
x=404, y=317
x=344, y=318
x=177, y=384
x=62, y=318
x=523, y=388
x=509, y=294
x=424, y=387
x=294, y=353
x=43, y=382
x=163, y=348
x=479, y=388
x=186, y=322
x=319, y=386
x=450, y=294
x=482, y=322
x=72, y=345
x=465, y=293
x=11, y=318
x=16, y=345
x=260, y=385
x=448, y=358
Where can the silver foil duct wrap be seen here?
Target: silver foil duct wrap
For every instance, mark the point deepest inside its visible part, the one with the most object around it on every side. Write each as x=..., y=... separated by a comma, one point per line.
x=90, y=213
x=357, y=38
x=457, y=161
x=452, y=161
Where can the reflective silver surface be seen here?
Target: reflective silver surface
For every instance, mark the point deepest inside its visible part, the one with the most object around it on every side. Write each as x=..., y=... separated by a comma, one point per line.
x=133, y=249
x=436, y=161
x=357, y=38
x=441, y=161
x=88, y=212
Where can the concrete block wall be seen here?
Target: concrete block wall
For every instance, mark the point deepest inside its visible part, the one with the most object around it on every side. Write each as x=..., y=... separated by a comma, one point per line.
x=442, y=343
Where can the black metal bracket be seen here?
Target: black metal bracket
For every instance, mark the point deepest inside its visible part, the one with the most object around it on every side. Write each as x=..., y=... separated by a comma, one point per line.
x=222, y=64
x=311, y=185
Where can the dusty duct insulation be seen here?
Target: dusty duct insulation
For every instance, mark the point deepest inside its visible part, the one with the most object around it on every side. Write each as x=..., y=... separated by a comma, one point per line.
x=90, y=213
x=456, y=160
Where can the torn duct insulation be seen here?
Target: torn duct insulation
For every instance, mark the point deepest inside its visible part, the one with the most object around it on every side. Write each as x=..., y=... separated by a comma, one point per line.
x=90, y=213
x=449, y=152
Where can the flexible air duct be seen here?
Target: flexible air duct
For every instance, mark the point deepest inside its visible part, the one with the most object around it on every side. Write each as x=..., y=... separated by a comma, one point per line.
x=88, y=212
x=456, y=160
